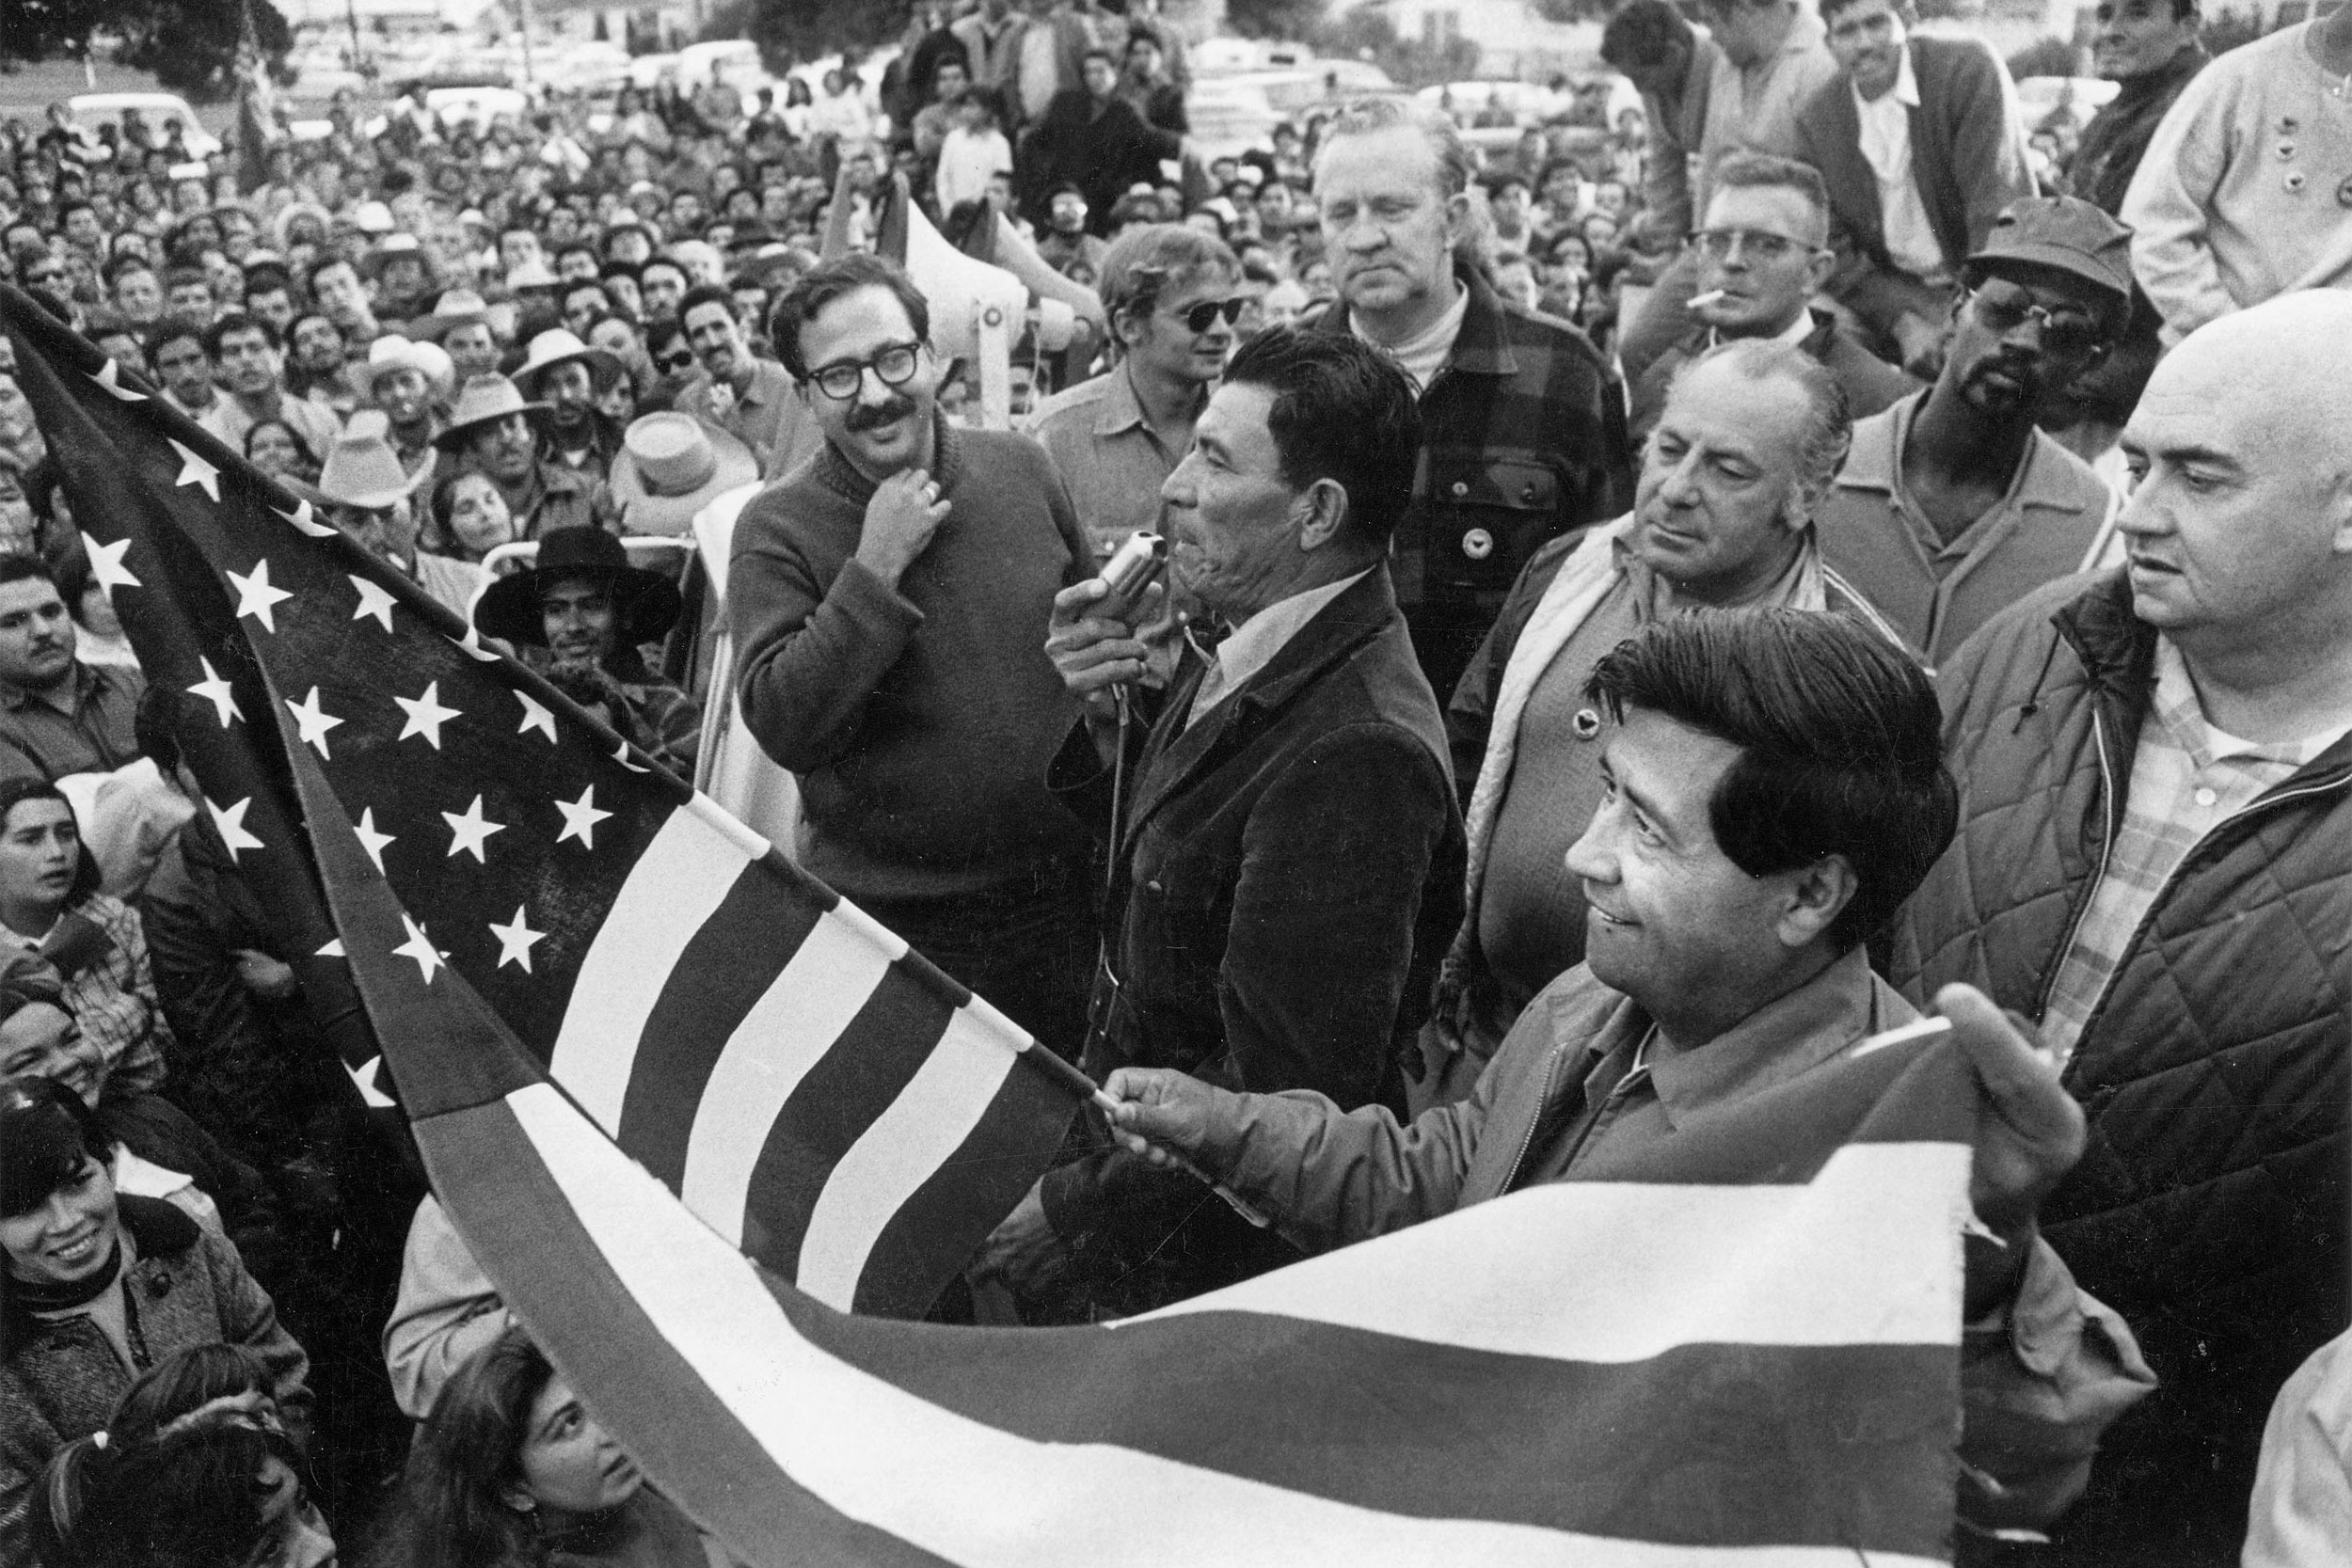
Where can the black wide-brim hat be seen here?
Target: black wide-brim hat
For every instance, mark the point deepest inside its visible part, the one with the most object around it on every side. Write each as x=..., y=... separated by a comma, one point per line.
x=646, y=603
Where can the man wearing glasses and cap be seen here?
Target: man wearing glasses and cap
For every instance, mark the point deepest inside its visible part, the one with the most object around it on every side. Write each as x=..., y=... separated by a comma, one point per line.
x=1172, y=294
x=890, y=599
x=1952, y=505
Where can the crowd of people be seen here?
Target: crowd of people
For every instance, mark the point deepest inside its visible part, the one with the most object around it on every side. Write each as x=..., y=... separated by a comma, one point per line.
x=1649, y=607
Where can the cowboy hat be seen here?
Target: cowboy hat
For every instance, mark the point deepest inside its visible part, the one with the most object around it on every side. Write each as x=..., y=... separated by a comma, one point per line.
x=373, y=218
x=363, y=471
x=389, y=249
x=645, y=604
x=670, y=467
x=455, y=309
x=533, y=274
x=393, y=352
x=485, y=400
x=557, y=346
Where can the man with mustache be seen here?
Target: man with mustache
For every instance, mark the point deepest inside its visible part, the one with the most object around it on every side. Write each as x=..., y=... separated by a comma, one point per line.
x=1952, y=505
x=1921, y=143
x=58, y=715
x=889, y=598
x=495, y=431
x=749, y=398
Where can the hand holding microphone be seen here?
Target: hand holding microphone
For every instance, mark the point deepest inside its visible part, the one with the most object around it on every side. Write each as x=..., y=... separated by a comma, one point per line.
x=1091, y=639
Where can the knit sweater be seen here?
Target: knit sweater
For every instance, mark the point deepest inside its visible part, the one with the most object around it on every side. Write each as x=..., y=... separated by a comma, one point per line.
x=2243, y=193
x=919, y=718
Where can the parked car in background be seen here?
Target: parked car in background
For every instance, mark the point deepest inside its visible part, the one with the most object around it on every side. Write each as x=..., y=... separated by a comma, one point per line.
x=158, y=110
x=1231, y=114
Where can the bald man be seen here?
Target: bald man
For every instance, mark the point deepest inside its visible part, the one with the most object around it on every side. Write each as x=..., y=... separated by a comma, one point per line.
x=2155, y=865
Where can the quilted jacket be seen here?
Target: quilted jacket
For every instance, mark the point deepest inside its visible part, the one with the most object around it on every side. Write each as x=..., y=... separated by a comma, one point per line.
x=2210, y=1207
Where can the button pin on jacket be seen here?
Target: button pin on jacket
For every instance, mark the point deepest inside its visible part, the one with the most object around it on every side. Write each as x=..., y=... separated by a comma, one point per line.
x=2294, y=180
x=1461, y=488
x=1586, y=724
x=2344, y=192
x=1478, y=544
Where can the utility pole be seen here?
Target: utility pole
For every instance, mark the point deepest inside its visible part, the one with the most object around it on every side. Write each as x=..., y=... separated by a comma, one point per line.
x=523, y=17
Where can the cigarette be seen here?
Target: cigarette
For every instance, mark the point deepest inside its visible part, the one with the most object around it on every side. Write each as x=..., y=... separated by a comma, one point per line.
x=1918, y=1029
x=1711, y=297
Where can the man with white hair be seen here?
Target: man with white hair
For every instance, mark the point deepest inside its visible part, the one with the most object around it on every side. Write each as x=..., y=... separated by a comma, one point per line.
x=1522, y=422
x=2154, y=866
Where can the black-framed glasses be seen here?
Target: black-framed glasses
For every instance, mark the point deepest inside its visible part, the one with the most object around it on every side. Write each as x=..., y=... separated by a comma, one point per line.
x=2068, y=334
x=676, y=361
x=1198, y=318
x=1756, y=244
x=893, y=366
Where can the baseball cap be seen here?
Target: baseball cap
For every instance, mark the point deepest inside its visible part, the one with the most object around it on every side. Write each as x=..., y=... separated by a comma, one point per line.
x=2063, y=232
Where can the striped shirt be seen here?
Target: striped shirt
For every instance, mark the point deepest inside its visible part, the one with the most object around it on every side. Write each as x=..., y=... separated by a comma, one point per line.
x=2187, y=779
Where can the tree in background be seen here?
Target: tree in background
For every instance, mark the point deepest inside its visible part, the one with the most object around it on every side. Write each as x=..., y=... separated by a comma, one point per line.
x=791, y=31
x=1366, y=33
x=190, y=45
x=1273, y=19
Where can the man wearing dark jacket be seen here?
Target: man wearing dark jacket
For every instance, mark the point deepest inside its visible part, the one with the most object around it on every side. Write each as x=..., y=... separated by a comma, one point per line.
x=1280, y=817
x=1919, y=142
x=2155, y=865
x=1522, y=423
x=1092, y=138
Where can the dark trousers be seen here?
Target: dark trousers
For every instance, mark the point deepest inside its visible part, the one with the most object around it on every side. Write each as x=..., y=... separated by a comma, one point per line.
x=1029, y=948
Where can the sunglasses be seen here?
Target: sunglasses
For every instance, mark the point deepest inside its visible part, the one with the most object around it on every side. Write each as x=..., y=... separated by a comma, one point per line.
x=2005, y=308
x=1198, y=319
x=677, y=361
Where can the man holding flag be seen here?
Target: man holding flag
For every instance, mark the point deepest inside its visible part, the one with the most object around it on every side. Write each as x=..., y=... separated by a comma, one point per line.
x=1775, y=790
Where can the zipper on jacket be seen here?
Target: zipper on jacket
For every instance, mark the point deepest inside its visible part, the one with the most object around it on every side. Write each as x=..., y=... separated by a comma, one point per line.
x=2255, y=809
x=2112, y=815
x=1552, y=1072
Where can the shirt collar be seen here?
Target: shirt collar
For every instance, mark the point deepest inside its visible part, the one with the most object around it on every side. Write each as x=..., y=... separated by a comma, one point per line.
x=1119, y=409
x=1255, y=642
x=78, y=684
x=1876, y=459
x=1787, y=1036
x=2181, y=714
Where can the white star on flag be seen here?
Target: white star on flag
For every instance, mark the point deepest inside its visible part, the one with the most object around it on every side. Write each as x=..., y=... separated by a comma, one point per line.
x=536, y=716
x=313, y=721
x=581, y=817
x=366, y=1077
x=257, y=599
x=214, y=689
x=303, y=521
x=620, y=754
x=515, y=941
x=194, y=471
x=427, y=715
x=105, y=561
x=374, y=599
x=332, y=950
x=371, y=840
x=471, y=830
x=109, y=375
x=419, y=947
x=231, y=821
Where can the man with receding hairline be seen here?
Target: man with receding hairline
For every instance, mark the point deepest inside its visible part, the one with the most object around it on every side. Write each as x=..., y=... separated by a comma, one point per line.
x=2155, y=864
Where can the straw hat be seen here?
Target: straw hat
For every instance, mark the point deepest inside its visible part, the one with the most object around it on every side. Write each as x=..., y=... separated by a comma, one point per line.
x=389, y=249
x=485, y=400
x=456, y=308
x=533, y=274
x=373, y=218
x=363, y=471
x=670, y=467
x=645, y=604
x=559, y=346
x=392, y=352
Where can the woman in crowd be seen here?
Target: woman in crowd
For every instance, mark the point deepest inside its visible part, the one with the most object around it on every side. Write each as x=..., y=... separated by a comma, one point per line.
x=469, y=518
x=509, y=1471
x=96, y=1288
x=194, y=1469
x=273, y=447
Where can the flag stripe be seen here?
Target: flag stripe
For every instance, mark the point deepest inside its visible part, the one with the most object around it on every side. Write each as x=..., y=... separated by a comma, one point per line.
x=685, y=874
x=980, y=1497
x=1862, y=1255
x=899, y=1150
x=524, y=1229
x=838, y=1101
x=722, y=978
x=975, y=1187
x=791, y=1028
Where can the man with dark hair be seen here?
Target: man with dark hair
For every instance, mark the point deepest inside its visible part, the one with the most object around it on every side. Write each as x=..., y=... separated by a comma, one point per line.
x=137, y=292
x=1749, y=439
x=58, y=715
x=336, y=288
x=1763, y=253
x=887, y=597
x=269, y=297
x=1774, y=792
x=749, y=398
x=2150, y=47
x=1657, y=50
x=316, y=356
x=1919, y=142
x=1172, y=294
x=244, y=354
x=1523, y=425
x=1280, y=817
x=175, y=347
x=2154, y=866
x=662, y=283
x=188, y=291
x=1952, y=504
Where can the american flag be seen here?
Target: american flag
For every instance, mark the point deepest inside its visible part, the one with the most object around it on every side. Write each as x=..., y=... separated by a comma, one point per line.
x=1739, y=1349
x=815, y=1092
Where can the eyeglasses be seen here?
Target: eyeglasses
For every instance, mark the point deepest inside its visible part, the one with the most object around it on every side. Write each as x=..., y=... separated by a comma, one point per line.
x=1198, y=318
x=677, y=361
x=2068, y=334
x=893, y=366
x=1756, y=244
